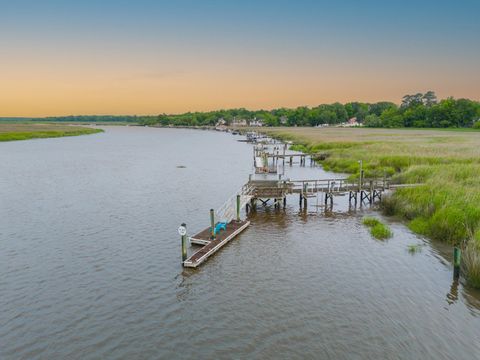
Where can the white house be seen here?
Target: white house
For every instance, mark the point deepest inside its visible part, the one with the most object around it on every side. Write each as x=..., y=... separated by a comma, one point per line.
x=256, y=122
x=239, y=122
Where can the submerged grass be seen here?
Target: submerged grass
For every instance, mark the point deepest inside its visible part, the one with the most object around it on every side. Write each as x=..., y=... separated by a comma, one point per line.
x=445, y=207
x=16, y=131
x=415, y=248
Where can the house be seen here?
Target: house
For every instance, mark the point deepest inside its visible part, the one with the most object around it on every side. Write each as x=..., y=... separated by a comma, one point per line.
x=256, y=122
x=221, y=122
x=351, y=122
x=239, y=122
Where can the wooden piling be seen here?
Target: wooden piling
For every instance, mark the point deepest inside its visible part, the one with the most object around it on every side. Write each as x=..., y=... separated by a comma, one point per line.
x=371, y=192
x=238, y=207
x=456, y=261
x=212, y=223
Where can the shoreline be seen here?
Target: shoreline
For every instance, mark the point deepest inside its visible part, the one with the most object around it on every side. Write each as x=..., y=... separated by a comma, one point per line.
x=441, y=209
x=19, y=132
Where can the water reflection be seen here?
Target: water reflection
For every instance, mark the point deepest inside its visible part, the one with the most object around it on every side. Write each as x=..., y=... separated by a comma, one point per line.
x=452, y=295
x=107, y=275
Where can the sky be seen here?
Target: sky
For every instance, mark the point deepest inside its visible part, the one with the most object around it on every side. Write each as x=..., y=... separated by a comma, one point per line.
x=151, y=57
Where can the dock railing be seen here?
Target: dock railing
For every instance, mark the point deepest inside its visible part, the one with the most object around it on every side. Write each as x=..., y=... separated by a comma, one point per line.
x=228, y=210
x=310, y=186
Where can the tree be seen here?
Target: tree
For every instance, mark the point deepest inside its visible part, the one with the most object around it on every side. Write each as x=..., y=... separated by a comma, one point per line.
x=163, y=119
x=379, y=107
x=412, y=100
x=372, y=120
x=429, y=98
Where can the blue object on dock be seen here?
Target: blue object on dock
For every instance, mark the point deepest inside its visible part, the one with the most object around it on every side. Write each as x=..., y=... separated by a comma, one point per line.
x=220, y=226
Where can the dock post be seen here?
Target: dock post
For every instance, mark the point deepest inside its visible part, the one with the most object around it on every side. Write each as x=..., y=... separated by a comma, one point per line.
x=284, y=201
x=305, y=187
x=457, y=254
x=371, y=192
x=212, y=222
x=238, y=208
x=300, y=200
x=291, y=160
x=184, y=243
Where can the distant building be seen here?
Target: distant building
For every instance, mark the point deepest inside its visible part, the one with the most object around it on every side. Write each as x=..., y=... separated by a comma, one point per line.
x=239, y=122
x=352, y=122
x=256, y=122
x=221, y=122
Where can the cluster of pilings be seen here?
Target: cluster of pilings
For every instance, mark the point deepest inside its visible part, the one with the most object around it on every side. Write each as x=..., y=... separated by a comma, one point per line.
x=365, y=196
x=277, y=203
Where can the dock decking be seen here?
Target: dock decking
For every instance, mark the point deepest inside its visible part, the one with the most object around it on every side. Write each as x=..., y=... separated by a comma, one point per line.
x=210, y=246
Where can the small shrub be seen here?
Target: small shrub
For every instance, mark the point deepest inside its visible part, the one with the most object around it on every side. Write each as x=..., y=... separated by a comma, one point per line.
x=381, y=232
x=377, y=229
x=370, y=221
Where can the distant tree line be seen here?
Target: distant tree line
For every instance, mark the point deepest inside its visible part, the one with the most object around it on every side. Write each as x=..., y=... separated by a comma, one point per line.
x=418, y=110
x=423, y=110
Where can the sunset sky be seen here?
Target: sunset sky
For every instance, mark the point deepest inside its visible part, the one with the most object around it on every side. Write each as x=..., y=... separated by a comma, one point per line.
x=150, y=57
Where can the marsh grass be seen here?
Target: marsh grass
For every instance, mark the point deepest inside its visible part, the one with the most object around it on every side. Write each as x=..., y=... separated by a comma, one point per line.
x=377, y=229
x=447, y=162
x=370, y=221
x=16, y=131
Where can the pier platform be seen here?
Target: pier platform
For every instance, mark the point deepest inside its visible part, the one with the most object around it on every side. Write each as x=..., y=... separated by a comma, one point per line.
x=211, y=246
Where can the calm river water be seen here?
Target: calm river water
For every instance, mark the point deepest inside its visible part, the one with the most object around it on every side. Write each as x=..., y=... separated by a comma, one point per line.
x=90, y=262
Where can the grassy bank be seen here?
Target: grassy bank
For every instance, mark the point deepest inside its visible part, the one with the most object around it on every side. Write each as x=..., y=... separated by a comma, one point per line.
x=446, y=207
x=16, y=131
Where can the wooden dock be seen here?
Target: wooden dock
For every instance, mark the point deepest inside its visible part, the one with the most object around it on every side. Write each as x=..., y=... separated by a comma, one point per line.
x=211, y=246
x=265, y=185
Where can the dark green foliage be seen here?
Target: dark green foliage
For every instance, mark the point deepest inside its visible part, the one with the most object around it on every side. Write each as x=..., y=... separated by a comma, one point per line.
x=419, y=110
x=423, y=110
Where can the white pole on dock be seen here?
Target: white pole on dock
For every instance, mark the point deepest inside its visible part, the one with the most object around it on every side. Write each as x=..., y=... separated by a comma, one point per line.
x=360, y=179
x=182, y=230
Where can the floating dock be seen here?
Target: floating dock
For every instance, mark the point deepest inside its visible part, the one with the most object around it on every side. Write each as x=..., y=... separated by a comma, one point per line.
x=211, y=246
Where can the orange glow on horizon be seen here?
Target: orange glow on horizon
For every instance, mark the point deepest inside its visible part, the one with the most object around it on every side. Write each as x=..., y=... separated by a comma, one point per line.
x=58, y=88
